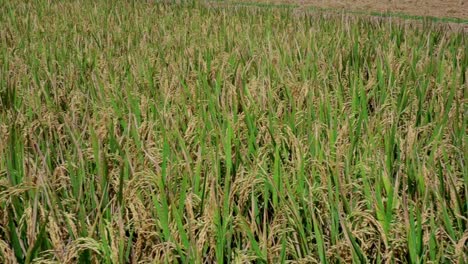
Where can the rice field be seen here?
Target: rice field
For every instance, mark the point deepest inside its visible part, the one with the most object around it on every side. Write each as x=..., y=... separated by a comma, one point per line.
x=145, y=132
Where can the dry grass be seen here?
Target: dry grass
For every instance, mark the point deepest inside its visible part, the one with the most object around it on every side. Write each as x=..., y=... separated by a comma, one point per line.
x=144, y=132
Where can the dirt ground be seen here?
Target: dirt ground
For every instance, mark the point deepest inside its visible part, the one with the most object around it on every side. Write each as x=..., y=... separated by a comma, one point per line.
x=435, y=8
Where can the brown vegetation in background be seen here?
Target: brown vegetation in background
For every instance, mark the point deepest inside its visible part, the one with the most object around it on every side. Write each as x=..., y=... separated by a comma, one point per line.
x=435, y=8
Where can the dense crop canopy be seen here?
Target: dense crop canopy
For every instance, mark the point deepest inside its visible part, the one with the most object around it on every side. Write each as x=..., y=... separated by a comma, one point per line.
x=144, y=132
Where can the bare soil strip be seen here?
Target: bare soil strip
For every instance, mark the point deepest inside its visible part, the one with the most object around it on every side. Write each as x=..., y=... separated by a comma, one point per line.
x=434, y=8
